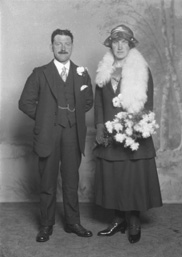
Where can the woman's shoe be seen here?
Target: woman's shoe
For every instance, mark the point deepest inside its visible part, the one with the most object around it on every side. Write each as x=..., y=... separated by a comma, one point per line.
x=113, y=229
x=134, y=233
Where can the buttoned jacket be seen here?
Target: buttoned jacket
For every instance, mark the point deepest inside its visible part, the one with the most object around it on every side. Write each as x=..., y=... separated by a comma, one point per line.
x=105, y=111
x=39, y=101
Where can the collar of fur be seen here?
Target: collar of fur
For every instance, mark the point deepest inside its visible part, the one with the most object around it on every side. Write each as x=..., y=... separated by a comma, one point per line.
x=134, y=82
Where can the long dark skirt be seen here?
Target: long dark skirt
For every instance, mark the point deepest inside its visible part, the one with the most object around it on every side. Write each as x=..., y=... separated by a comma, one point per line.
x=127, y=185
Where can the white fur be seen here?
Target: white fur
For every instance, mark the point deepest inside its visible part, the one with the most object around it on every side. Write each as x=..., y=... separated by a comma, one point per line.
x=134, y=81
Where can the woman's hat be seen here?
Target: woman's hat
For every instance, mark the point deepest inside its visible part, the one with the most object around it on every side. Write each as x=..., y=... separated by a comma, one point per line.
x=120, y=32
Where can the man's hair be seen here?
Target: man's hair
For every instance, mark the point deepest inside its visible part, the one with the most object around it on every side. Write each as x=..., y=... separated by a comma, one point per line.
x=61, y=32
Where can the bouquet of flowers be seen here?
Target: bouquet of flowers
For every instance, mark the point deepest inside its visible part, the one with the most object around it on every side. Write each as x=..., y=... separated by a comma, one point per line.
x=126, y=128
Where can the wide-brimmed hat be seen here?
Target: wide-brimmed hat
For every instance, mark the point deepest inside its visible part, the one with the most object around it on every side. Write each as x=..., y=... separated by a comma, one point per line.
x=120, y=32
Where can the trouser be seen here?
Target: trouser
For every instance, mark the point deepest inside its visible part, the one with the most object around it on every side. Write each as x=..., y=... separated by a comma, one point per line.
x=66, y=150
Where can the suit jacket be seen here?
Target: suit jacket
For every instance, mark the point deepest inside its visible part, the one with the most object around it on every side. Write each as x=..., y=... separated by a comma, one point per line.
x=39, y=102
x=105, y=111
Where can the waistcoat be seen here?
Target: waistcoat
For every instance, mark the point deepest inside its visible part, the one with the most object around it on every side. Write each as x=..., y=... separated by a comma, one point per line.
x=66, y=101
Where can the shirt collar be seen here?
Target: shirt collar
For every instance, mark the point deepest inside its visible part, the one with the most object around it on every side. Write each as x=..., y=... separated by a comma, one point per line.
x=60, y=65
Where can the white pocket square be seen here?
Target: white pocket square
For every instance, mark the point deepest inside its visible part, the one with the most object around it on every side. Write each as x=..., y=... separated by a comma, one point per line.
x=83, y=87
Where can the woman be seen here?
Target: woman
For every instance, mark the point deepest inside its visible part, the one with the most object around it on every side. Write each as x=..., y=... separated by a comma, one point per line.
x=126, y=180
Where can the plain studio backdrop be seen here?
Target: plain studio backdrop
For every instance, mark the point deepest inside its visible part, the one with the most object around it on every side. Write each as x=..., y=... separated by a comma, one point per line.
x=26, y=28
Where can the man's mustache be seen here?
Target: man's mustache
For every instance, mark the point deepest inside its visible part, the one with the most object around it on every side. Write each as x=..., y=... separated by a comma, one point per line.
x=63, y=52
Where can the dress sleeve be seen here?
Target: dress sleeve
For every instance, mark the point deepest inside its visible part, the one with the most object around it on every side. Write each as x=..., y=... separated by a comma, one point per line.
x=98, y=106
x=149, y=104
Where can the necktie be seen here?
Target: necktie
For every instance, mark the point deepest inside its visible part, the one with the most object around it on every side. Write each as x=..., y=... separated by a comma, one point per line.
x=64, y=74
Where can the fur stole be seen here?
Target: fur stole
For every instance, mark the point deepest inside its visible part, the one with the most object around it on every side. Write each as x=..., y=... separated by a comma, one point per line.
x=134, y=82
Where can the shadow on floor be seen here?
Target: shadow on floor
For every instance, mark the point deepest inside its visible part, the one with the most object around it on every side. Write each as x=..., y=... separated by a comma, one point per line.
x=161, y=233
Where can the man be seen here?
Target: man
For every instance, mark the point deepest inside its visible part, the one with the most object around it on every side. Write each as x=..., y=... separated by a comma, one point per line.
x=57, y=96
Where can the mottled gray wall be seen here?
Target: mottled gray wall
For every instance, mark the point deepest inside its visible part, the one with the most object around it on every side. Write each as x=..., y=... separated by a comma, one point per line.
x=26, y=26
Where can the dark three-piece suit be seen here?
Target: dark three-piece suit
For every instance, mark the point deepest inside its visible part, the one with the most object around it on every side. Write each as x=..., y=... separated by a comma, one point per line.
x=58, y=109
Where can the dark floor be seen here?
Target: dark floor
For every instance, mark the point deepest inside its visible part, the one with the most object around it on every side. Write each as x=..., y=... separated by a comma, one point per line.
x=161, y=234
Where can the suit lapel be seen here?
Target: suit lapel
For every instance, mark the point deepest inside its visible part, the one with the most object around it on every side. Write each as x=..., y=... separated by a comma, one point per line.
x=77, y=80
x=110, y=89
x=51, y=73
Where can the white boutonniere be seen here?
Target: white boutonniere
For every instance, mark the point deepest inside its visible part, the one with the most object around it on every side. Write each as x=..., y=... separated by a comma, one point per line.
x=81, y=70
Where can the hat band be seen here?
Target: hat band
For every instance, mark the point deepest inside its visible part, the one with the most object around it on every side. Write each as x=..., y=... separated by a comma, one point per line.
x=120, y=35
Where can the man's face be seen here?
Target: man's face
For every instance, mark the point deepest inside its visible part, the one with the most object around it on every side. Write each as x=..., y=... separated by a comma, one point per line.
x=62, y=48
x=120, y=49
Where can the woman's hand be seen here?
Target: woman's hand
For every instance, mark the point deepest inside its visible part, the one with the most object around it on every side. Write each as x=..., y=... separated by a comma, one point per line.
x=100, y=134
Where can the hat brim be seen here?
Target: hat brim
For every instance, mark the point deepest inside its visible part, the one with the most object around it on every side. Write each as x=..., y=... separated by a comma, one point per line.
x=109, y=39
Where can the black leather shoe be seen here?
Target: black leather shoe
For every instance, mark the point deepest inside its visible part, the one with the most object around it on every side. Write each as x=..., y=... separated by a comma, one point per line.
x=44, y=233
x=78, y=230
x=134, y=233
x=113, y=229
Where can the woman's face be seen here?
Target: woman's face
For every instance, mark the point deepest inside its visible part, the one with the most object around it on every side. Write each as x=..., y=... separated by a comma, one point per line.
x=120, y=49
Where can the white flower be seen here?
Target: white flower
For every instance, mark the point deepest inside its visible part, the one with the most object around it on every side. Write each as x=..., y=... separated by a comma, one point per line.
x=129, y=131
x=129, y=141
x=118, y=127
x=117, y=101
x=100, y=84
x=134, y=146
x=137, y=128
x=119, y=137
x=151, y=116
x=129, y=123
x=146, y=134
x=130, y=116
x=126, y=128
x=121, y=115
x=109, y=126
x=81, y=70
